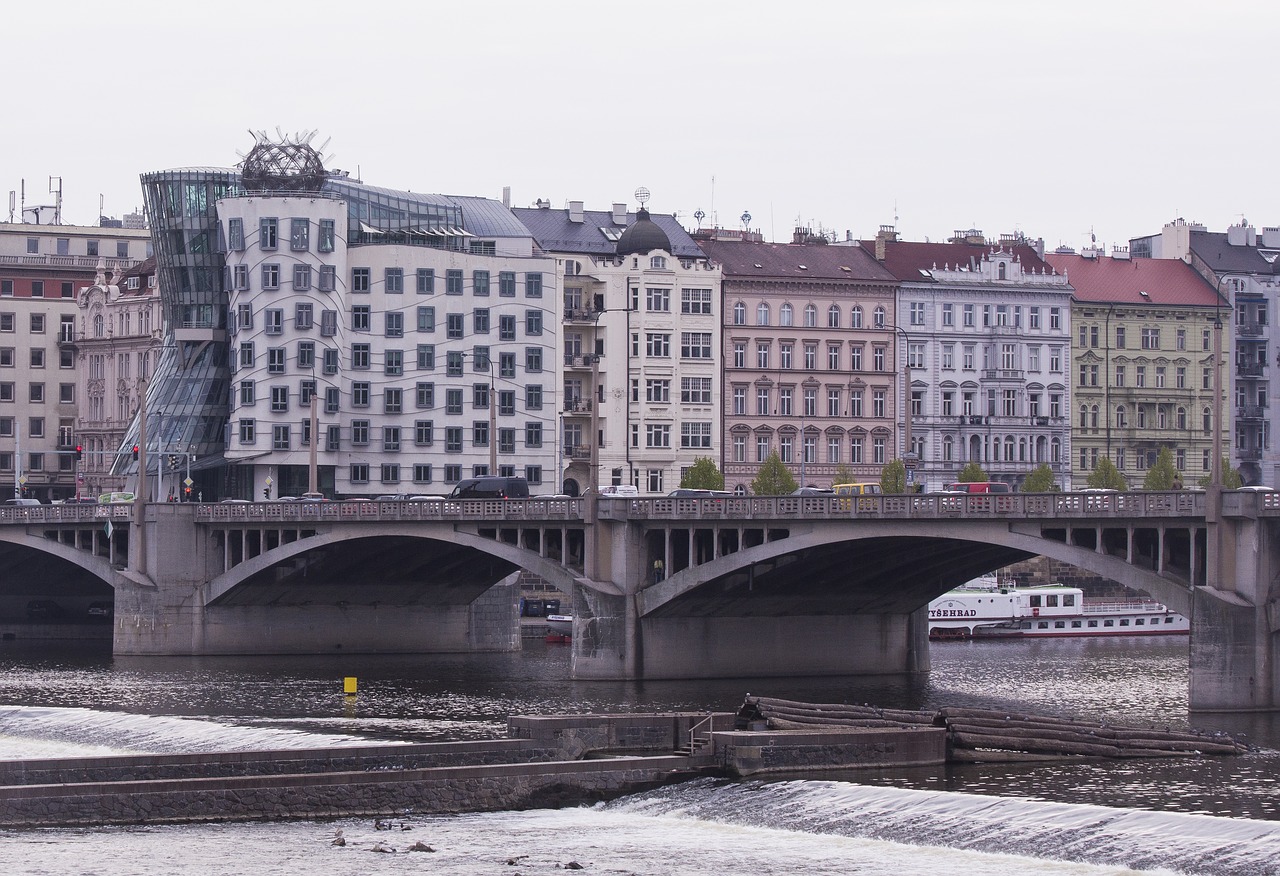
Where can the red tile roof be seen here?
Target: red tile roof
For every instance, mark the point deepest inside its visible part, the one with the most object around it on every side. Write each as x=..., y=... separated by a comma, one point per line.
x=1171, y=282
x=905, y=259
x=795, y=260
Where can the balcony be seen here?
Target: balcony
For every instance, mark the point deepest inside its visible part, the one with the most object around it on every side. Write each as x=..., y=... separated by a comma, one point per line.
x=587, y=361
x=1250, y=412
x=1249, y=369
x=1250, y=454
x=1016, y=374
x=577, y=406
x=577, y=451
x=1250, y=330
x=66, y=335
x=580, y=314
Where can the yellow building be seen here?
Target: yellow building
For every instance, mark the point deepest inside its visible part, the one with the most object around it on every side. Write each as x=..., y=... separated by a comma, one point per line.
x=1142, y=364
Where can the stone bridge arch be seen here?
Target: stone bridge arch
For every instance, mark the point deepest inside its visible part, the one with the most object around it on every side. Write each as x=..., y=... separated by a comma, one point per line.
x=83, y=558
x=513, y=557
x=897, y=572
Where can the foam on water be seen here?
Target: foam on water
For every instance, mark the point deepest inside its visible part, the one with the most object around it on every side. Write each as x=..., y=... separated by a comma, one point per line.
x=1099, y=835
x=43, y=732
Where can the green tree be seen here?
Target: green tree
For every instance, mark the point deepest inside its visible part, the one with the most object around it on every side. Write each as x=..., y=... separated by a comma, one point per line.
x=703, y=475
x=972, y=473
x=1105, y=476
x=893, y=477
x=1231, y=477
x=843, y=475
x=1040, y=481
x=773, y=478
x=1163, y=475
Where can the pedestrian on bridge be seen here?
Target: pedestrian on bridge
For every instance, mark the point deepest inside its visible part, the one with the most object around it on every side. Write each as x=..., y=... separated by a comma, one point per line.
x=657, y=570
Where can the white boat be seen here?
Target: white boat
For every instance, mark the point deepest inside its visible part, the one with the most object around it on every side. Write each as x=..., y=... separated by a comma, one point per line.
x=985, y=608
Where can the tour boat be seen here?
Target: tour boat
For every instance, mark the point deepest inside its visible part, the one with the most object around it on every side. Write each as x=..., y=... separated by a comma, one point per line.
x=559, y=627
x=985, y=608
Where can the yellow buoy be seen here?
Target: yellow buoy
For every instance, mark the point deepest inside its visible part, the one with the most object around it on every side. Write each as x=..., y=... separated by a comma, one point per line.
x=349, y=685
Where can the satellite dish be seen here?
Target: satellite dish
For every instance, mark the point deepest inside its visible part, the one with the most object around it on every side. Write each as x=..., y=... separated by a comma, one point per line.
x=642, y=195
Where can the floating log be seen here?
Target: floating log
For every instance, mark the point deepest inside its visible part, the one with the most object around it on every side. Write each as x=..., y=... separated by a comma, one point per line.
x=992, y=735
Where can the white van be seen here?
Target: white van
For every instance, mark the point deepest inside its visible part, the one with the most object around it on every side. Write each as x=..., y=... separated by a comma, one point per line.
x=619, y=491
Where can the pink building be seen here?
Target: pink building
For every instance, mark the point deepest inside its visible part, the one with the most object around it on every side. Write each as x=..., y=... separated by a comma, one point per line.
x=809, y=370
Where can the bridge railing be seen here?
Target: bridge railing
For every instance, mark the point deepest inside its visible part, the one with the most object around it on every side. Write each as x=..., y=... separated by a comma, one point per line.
x=392, y=511
x=928, y=505
x=117, y=512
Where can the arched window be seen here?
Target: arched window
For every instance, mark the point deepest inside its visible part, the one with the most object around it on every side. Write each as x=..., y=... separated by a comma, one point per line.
x=1207, y=416
x=1182, y=418
x=833, y=316
x=1000, y=271
x=947, y=448
x=1162, y=416
x=810, y=316
x=975, y=448
x=98, y=325
x=1093, y=417
x=762, y=314
x=784, y=315
x=855, y=317
x=1084, y=416
x=1055, y=448
x=1022, y=450
x=658, y=263
x=739, y=313
x=1121, y=417
x=1008, y=448
x=879, y=323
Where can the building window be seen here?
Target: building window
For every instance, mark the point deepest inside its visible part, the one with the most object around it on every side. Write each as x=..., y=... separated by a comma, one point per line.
x=360, y=394
x=299, y=235
x=695, y=345
x=393, y=281
x=361, y=317
x=453, y=283
x=533, y=285
x=279, y=399
x=235, y=236
x=301, y=278
x=359, y=473
x=327, y=236
x=275, y=360
x=247, y=431
x=328, y=278
x=268, y=233
x=361, y=279
x=695, y=435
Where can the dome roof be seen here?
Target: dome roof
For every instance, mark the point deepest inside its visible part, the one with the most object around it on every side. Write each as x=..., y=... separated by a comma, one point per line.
x=643, y=236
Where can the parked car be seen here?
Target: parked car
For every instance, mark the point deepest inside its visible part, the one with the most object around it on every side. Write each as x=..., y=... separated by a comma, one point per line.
x=313, y=497
x=813, y=491
x=44, y=610
x=22, y=501
x=81, y=500
x=101, y=611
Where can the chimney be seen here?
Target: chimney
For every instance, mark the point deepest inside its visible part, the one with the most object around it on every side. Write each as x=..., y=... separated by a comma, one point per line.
x=619, y=214
x=506, y=197
x=883, y=236
x=575, y=211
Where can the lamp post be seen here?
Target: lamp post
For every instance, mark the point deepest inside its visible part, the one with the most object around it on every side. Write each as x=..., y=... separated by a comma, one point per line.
x=908, y=449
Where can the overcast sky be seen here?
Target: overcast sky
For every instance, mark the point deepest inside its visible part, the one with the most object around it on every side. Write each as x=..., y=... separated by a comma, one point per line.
x=1052, y=119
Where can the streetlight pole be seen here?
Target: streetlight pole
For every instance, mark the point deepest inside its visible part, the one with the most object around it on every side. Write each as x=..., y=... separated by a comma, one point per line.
x=908, y=449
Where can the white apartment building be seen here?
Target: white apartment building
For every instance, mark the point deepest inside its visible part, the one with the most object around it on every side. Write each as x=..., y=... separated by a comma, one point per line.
x=428, y=346
x=641, y=380
x=986, y=333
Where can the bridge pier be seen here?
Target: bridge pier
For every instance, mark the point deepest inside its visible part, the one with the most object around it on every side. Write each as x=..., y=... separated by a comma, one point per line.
x=1235, y=618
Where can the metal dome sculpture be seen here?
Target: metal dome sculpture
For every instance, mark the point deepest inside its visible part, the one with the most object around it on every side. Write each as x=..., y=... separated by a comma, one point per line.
x=287, y=163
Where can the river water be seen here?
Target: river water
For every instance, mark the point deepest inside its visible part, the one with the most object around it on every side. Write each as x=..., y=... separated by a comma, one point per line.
x=1183, y=816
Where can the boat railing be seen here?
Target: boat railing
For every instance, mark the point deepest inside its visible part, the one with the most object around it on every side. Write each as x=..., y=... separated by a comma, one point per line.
x=1110, y=606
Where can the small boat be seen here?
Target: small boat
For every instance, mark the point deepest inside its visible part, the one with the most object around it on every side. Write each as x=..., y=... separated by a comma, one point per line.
x=559, y=627
x=985, y=608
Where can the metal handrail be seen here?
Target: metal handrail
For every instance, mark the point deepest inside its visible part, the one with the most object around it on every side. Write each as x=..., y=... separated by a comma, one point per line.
x=693, y=730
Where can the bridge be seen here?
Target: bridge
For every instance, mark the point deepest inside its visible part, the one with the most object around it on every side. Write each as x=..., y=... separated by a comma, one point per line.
x=661, y=588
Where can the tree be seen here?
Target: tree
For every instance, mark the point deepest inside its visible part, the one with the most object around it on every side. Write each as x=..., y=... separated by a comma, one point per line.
x=1231, y=477
x=1040, y=481
x=1105, y=476
x=773, y=478
x=1163, y=475
x=703, y=475
x=893, y=477
x=843, y=475
x=972, y=473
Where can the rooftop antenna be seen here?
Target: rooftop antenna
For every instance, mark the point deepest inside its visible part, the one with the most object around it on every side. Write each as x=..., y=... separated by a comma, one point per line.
x=714, y=221
x=57, y=205
x=13, y=200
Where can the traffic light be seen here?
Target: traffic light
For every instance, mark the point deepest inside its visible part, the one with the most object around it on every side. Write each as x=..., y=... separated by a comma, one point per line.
x=173, y=460
x=266, y=492
x=135, y=451
x=79, y=452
